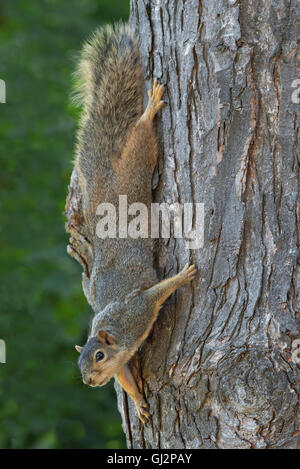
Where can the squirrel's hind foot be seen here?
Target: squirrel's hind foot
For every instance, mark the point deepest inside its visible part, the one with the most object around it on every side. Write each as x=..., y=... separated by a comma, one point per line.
x=142, y=410
x=155, y=103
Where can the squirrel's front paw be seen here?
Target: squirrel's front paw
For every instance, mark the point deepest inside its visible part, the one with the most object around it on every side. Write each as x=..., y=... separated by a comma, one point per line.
x=142, y=410
x=188, y=273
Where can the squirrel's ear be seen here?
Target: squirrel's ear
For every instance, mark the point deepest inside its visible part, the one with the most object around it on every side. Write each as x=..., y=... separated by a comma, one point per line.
x=106, y=338
x=78, y=348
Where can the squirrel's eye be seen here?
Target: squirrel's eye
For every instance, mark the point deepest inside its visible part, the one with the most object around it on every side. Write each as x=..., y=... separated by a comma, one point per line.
x=99, y=356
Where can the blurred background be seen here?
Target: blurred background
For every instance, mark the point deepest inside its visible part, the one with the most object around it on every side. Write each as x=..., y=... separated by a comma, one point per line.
x=43, y=312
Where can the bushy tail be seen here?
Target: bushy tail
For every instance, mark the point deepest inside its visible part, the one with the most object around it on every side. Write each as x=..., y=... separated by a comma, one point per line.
x=108, y=84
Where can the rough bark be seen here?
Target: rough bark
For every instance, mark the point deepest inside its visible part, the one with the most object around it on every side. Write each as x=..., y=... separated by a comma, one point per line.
x=218, y=369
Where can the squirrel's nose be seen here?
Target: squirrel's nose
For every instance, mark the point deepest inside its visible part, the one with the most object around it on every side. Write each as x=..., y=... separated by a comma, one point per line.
x=88, y=381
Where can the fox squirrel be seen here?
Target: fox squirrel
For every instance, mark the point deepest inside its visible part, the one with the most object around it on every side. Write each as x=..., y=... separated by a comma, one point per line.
x=116, y=154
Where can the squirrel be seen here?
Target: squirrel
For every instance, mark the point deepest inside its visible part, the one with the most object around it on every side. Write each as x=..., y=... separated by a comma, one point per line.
x=116, y=153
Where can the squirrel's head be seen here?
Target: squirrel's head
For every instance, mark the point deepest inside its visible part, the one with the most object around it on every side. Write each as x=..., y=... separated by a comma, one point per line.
x=110, y=347
x=100, y=359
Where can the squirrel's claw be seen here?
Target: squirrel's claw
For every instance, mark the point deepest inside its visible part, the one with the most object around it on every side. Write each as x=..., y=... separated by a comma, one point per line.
x=142, y=410
x=155, y=103
x=157, y=91
x=188, y=273
x=157, y=94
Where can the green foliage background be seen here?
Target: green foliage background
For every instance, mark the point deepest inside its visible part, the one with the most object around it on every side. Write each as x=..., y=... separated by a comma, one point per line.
x=43, y=313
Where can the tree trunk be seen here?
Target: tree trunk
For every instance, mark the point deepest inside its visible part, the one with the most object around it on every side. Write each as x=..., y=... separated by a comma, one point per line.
x=220, y=366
